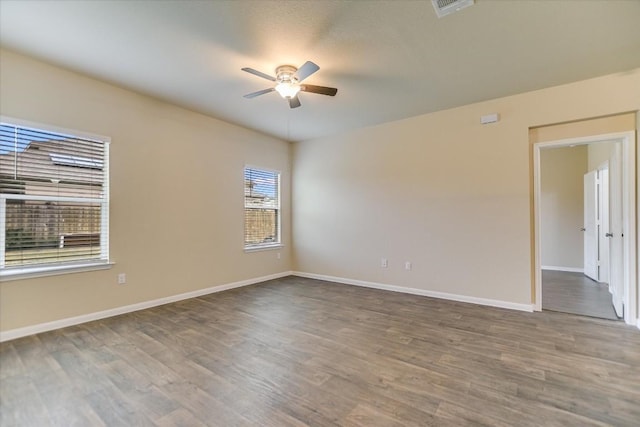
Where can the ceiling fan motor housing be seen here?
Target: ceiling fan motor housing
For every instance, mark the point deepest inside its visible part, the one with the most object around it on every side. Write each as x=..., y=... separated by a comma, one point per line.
x=285, y=74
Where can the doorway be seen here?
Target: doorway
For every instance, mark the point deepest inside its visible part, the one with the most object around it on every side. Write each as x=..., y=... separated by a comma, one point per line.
x=565, y=281
x=575, y=293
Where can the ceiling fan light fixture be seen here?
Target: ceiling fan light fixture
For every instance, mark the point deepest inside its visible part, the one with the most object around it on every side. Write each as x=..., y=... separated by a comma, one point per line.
x=287, y=90
x=287, y=83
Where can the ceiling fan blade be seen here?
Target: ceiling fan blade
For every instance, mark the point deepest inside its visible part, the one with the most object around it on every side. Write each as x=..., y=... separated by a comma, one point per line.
x=322, y=90
x=294, y=102
x=260, y=92
x=258, y=73
x=306, y=70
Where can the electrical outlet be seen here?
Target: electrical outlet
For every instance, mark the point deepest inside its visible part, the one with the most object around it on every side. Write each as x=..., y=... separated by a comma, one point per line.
x=407, y=265
x=278, y=255
x=384, y=263
x=122, y=279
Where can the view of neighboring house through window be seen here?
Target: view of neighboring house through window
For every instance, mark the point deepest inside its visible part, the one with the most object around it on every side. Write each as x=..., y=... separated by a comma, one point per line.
x=53, y=199
x=261, y=208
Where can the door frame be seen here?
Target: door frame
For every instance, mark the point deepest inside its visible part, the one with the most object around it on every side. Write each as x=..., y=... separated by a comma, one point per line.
x=628, y=142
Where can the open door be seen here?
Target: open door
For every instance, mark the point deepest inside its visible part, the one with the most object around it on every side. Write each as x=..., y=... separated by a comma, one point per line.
x=603, y=220
x=590, y=227
x=616, y=265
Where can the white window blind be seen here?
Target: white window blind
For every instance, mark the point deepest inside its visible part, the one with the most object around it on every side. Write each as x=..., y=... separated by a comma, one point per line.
x=261, y=208
x=54, y=195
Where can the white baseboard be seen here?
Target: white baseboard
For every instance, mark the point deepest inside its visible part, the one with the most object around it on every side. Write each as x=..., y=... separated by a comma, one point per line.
x=422, y=292
x=63, y=323
x=568, y=269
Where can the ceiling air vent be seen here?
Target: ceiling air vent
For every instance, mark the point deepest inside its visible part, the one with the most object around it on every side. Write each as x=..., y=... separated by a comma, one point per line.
x=445, y=7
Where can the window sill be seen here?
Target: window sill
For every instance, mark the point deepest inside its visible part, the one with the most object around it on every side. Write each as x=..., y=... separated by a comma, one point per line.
x=263, y=247
x=32, y=272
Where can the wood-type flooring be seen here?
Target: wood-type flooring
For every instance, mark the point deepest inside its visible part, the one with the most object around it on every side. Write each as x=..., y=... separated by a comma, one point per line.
x=303, y=352
x=575, y=293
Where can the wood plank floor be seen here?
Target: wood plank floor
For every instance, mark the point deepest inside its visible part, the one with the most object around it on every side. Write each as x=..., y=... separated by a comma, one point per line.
x=302, y=352
x=577, y=294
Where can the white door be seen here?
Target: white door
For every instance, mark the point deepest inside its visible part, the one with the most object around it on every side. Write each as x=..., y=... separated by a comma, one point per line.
x=616, y=265
x=590, y=227
x=603, y=221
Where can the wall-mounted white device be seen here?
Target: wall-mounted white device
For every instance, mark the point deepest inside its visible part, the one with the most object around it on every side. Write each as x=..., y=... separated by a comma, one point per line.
x=489, y=118
x=446, y=7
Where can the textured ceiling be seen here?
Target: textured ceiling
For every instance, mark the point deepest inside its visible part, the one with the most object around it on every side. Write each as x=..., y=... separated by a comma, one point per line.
x=389, y=59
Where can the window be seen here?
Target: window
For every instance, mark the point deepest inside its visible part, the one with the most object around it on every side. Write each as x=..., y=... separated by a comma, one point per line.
x=261, y=208
x=54, y=200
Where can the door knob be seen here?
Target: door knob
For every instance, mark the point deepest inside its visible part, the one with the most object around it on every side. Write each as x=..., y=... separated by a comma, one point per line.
x=583, y=229
x=608, y=235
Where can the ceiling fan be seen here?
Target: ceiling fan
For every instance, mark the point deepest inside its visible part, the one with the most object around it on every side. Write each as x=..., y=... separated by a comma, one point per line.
x=288, y=82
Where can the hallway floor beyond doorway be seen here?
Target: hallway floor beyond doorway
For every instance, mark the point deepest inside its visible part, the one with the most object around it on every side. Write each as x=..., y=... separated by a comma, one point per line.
x=577, y=294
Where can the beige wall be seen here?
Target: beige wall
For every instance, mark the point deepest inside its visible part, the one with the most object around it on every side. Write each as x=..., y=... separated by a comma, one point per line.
x=441, y=190
x=584, y=127
x=176, y=194
x=599, y=153
x=562, y=206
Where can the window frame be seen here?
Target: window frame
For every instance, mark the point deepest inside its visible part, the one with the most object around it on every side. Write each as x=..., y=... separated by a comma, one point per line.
x=48, y=269
x=254, y=247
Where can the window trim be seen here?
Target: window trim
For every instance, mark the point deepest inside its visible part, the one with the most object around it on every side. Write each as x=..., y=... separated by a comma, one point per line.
x=43, y=270
x=263, y=247
x=52, y=270
x=256, y=247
